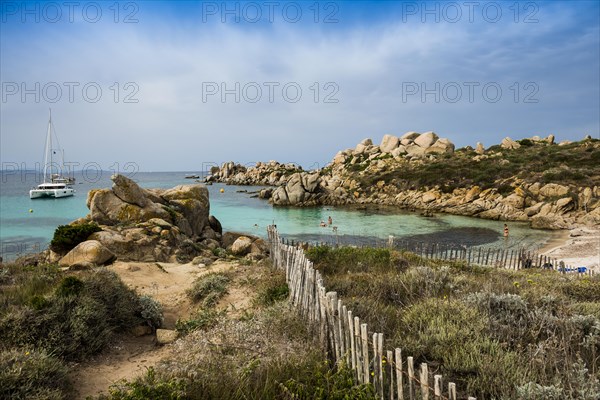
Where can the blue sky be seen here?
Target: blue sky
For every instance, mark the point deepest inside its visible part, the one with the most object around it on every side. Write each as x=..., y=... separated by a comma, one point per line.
x=187, y=84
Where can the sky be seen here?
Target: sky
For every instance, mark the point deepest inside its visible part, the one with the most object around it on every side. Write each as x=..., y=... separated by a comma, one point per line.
x=181, y=86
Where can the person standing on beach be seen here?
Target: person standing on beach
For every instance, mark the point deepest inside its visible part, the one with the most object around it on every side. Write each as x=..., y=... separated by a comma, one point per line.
x=505, y=230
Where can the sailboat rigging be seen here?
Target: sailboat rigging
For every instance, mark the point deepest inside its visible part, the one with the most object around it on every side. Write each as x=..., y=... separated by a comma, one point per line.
x=55, y=184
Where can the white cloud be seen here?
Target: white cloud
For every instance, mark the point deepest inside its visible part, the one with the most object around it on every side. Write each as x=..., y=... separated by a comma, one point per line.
x=171, y=128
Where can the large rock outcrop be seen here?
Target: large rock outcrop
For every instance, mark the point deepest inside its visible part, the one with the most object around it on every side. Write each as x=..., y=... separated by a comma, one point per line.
x=262, y=173
x=300, y=189
x=151, y=224
x=388, y=174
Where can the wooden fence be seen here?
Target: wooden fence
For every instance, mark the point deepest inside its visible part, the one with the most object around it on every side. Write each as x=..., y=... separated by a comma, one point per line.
x=348, y=339
x=514, y=259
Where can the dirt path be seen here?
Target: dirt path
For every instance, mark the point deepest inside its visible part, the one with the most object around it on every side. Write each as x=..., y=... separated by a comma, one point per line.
x=130, y=356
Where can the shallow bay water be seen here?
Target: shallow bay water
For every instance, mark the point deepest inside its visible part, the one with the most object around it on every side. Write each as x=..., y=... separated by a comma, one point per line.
x=22, y=231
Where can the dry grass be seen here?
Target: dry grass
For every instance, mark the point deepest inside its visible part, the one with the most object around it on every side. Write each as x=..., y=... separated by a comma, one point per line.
x=498, y=334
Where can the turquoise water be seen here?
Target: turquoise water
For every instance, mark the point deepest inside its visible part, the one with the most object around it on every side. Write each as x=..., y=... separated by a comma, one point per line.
x=22, y=231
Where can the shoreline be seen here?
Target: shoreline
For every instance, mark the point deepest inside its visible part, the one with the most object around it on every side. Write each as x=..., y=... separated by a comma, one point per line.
x=579, y=247
x=557, y=240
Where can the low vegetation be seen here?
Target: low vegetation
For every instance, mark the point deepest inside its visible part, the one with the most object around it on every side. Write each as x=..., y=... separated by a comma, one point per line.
x=48, y=318
x=271, y=289
x=270, y=355
x=32, y=374
x=66, y=237
x=498, y=334
x=209, y=289
x=267, y=352
x=577, y=163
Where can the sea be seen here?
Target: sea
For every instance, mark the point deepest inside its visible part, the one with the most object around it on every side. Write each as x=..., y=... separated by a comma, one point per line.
x=27, y=225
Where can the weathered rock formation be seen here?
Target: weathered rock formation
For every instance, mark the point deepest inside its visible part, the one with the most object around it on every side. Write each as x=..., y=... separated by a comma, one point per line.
x=347, y=180
x=87, y=254
x=301, y=188
x=270, y=173
x=147, y=225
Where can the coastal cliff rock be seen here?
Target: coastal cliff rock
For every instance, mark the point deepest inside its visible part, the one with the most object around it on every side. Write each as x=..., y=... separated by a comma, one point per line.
x=508, y=143
x=389, y=143
x=107, y=208
x=426, y=140
x=553, y=186
x=149, y=224
x=270, y=173
x=128, y=191
x=301, y=188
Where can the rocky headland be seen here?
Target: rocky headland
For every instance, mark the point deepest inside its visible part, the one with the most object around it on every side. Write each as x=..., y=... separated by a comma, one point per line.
x=551, y=185
x=131, y=223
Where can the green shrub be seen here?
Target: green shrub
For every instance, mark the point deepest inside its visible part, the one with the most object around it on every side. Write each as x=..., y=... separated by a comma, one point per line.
x=327, y=383
x=27, y=283
x=69, y=286
x=74, y=327
x=587, y=308
x=39, y=302
x=209, y=288
x=121, y=303
x=272, y=289
x=525, y=142
x=71, y=327
x=32, y=374
x=151, y=311
x=204, y=319
x=583, y=289
x=563, y=176
x=219, y=252
x=147, y=387
x=66, y=237
x=577, y=383
x=342, y=259
x=505, y=189
x=436, y=330
x=534, y=391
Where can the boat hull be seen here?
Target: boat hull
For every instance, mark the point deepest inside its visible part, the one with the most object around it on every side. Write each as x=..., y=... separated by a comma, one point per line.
x=53, y=193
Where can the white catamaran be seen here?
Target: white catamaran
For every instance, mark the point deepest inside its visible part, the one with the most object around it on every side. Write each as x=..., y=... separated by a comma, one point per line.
x=55, y=184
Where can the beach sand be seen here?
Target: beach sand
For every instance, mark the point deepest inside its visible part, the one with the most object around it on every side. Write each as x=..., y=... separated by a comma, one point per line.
x=578, y=247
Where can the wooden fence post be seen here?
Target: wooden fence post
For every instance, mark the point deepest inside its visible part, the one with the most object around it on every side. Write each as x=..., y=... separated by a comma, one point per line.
x=437, y=386
x=340, y=327
x=352, y=342
x=398, y=364
x=424, y=378
x=376, y=365
x=411, y=377
x=359, y=360
x=365, y=348
x=380, y=362
x=451, y=391
x=390, y=362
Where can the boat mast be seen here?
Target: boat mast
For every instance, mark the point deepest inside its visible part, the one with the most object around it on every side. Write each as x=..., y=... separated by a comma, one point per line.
x=48, y=148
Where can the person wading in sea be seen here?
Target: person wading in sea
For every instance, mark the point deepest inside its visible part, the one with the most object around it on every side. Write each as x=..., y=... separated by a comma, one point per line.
x=505, y=230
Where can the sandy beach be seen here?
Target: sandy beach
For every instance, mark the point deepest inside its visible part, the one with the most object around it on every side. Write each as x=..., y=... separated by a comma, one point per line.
x=578, y=247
